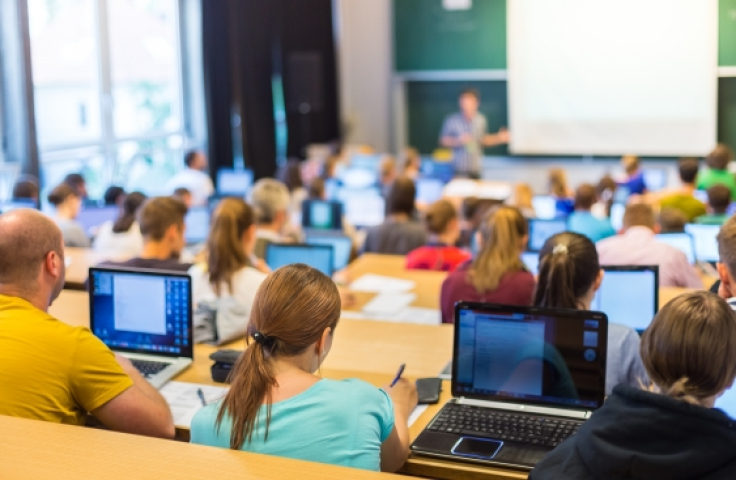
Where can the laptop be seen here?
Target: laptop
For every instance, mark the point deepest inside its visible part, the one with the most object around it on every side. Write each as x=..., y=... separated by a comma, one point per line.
x=363, y=208
x=655, y=179
x=727, y=402
x=617, y=216
x=444, y=171
x=681, y=241
x=197, y=222
x=11, y=205
x=92, y=217
x=523, y=380
x=706, y=241
x=316, y=256
x=545, y=206
x=342, y=246
x=234, y=183
x=146, y=316
x=531, y=261
x=429, y=190
x=629, y=295
x=322, y=215
x=540, y=230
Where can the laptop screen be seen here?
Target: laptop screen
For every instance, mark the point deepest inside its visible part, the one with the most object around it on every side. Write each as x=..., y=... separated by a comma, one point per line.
x=629, y=295
x=655, y=179
x=316, y=256
x=706, y=241
x=321, y=214
x=234, y=182
x=530, y=355
x=541, y=230
x=545, y=206
x=727, y=402
x=93, y=217
x=617, y=216
x=198, y=224
x=429, y=190
x=363, y=208
x=341, y=247
x=144, y=312
x=531, y=260
x=16, y=204
x=681, y=241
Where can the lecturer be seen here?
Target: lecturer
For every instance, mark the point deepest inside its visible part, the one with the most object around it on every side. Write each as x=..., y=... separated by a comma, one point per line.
x=466, y=133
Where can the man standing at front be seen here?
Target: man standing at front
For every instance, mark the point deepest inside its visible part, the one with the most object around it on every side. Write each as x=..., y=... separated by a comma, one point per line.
x=466, y=133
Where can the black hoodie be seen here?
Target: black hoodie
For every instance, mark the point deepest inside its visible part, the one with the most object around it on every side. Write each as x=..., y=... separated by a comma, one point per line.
x=642, y=435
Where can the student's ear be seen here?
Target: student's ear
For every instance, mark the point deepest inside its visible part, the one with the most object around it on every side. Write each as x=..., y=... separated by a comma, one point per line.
x=727, y=284
x=524, y=242
x=54, y=264
x=657, y=228
x=324, y=345
x=599, y=280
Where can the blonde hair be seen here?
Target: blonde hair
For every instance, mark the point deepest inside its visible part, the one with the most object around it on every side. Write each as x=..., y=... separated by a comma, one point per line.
x=225, y=252
x=558, y=182
x=439, y=215
x=689, y=350
x=630, y=163
x=522, y=197
x=501, y=232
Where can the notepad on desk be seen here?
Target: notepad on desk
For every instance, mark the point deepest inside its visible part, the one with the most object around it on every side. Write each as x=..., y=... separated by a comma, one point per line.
x=378, y=283
x=184, y=400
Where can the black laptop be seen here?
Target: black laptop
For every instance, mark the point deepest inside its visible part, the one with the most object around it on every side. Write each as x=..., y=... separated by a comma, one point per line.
x=524, y=379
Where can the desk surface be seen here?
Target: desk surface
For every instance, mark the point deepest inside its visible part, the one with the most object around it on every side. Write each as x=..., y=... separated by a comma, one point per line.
x=81, y=259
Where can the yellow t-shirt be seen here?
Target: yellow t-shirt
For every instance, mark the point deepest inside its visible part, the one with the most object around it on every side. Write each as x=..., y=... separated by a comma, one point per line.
x=51, y=371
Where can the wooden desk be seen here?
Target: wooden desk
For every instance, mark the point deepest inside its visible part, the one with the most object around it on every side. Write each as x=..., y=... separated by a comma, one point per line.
x=81, y=259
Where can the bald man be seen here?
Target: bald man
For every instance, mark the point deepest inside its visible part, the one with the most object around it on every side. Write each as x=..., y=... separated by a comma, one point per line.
x=49, y=370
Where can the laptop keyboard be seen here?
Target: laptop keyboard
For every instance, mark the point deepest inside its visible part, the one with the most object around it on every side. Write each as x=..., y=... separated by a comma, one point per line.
x=148, y=368
x=486, y=423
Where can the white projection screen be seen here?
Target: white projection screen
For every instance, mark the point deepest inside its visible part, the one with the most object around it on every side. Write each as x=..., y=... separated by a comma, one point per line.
x=603, y=77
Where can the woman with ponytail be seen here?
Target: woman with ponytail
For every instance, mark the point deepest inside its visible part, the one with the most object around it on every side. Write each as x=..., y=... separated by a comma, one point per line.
x=123, y=236
x=225, y=281
x=670, y=430
x=496, y=274
x=276, y=404
x=569, y=277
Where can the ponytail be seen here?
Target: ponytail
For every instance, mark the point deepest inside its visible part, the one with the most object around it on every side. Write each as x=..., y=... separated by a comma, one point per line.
x=131, y=204
x=502, y=232
x=225, y=252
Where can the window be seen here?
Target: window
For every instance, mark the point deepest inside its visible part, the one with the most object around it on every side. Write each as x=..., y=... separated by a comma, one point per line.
x=107, y=81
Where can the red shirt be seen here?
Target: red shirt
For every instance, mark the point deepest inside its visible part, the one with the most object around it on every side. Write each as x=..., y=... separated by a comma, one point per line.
x=516, y=288
x=437, y=257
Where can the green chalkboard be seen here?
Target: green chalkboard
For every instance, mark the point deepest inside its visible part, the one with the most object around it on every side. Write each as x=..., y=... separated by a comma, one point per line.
x=727, y=33
x=429, y=37
x=430, y=102
x=727, y=111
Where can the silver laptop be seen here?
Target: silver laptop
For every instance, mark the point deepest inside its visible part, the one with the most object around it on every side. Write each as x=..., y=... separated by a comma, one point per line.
x=524, y=379
x=146, y=316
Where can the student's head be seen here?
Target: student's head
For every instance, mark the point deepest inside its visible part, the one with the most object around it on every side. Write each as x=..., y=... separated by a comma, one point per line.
x=26, y=188
x=522, y=197
x=503, y=235
x=689, y=350
x=727, y=254
x=630, y=164
x=196, y=160
x=184, y=196
x=66, y=200
x=469, y=101
x=293, y=319
x=688, y=168
x=639, y=215
x=569, y=272
x=317, y=189
x=412, y=159
x=161, y=220
x=77, y=182
x=558, y=183
x=720, y=157
x=131, y=204
x=672, y=220
x=231, y=241
x=441, y=220
x=290, y=174
x=401, y=197
x=270, y=199
x=114, y=195
x=719, y=199
x=387, y=170
x=329, y=168
x=585, y=197
x=31, y=256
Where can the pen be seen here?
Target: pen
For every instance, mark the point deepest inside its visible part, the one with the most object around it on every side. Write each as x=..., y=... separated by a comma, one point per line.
x=200, y=394
x=398, y=374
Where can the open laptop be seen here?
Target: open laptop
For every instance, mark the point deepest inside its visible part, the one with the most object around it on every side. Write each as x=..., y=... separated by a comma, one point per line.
x=322, y=215
x=540, y=230
x=629, y=295
x=545, y=206
x=197, y=222
x=363, y=208
x=429, y=189
x=342, y=246
x=705, y=238
x=146, y=316
x=655, y=179
x=92, y=217
x=531, y=261
x=617, y=216
x=234, y=183
x=316, y=256
x=524, y=379
x=681, y=241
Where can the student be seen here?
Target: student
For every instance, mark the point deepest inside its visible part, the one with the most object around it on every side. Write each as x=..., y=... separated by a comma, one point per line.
x=474, y=211
x=399, y=234
x=78, y=183
x=68, y=203
x=522, y=199
x=225, y=283
x=386, y=175
x=291, y=176
x=569, y=277
x=123, y=236
x=672, y=430
x=634, y=181
x=717, y=171
x=114, y=196
x=672, y=220
x=26, y=189
x=684, y=199
x=184, y=196
x=440, y=253
x=412, y=163
x=49, y=370
x=276, y=404
x=719, y=199
x=496, y=274
x=194, y=178
x=559, y=189
x=270, y=199
x=161, y=220
x=582, y=220
x=606, y=192
x=638, y=246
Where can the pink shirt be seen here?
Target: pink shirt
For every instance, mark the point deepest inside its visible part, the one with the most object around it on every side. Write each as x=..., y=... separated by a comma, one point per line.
x=637, y=246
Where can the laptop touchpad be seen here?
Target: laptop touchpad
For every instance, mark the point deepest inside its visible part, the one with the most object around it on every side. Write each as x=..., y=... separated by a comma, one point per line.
x=477, y=447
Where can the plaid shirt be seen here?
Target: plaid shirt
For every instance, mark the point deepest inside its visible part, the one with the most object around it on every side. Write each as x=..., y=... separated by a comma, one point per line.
x=466, y=158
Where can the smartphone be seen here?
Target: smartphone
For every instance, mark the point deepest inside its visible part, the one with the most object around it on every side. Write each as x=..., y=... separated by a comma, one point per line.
x=428, y=390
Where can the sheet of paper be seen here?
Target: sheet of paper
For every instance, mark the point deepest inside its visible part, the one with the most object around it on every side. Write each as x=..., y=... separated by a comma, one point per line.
x=351, y=315
x=184, y=401
x=418, y=315
x=379, y=283
x=418, y=411
x=388, y=303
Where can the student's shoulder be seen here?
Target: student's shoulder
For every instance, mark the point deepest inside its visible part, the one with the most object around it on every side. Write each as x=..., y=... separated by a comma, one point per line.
x=353, y=389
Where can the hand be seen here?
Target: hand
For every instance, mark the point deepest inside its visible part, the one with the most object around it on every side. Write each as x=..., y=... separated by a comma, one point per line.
x=404, y=395
x=503, y=135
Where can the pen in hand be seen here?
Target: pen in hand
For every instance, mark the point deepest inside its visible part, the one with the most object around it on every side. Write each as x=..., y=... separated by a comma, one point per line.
x=398, y=374
x=200, y=394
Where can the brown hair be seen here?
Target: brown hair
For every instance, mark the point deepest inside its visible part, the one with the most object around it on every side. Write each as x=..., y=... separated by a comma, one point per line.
x=131, y=204
x=522, y=197
x=401, y=196
x=225, y=252
x=558, y=182
x=439, y=215
x=158, y=214
x=630, y=163
x=290, y=174
x=727, y=245
x=387, y=168
x=26, y=187
x=585, y=197
x=59, y=194
x=672, y=220
x=292, y=308
x=719, y=198
x=689, y=350
x=719, y=158
x=501, y=232
x=688, y=168
x=317, y=189
x=639, y=215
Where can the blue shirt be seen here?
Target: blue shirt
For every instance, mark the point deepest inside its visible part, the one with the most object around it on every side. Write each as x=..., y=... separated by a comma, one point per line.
x=466, y=158
x=635, y=184
x=623, y=361
x=585, y=223
x=336, y=422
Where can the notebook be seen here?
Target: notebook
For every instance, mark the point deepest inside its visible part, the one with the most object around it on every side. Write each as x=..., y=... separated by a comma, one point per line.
x=316, y=256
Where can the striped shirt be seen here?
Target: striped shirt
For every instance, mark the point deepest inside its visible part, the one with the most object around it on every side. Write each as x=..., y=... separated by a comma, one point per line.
x=466, y=158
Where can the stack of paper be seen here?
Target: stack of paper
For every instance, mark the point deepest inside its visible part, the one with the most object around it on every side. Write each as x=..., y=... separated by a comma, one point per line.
x=184, y=401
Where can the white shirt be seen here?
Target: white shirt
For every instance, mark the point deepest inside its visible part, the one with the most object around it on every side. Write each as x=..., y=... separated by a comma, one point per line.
x=126, y=244
x=198, y=183
x=226, y=317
